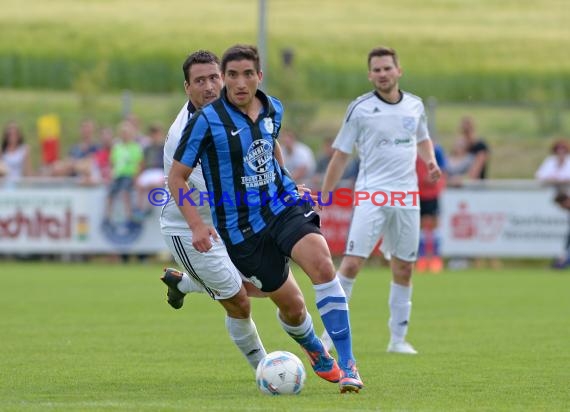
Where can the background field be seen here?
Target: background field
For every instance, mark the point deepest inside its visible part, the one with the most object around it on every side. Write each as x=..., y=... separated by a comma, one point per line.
x=101, y=337
x=465, y=49
x=506, y=63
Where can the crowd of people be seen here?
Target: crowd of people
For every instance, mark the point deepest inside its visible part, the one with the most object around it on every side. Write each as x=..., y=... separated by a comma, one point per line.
x=123, y=158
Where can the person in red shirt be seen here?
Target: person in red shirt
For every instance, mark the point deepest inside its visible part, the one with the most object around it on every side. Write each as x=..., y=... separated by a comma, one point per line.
x=428, y=255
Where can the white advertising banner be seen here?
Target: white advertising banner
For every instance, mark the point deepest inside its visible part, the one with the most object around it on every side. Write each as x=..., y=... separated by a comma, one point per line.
x=71, y=220
x=476, y=222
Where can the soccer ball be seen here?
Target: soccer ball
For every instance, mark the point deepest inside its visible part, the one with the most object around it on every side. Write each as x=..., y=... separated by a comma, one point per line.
x=280, y=373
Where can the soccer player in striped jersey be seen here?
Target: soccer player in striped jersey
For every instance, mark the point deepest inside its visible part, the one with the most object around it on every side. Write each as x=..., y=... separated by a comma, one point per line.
x=256, y=208
x=389, y=129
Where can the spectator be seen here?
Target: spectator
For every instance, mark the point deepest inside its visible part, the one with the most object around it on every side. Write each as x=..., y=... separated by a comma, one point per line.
x=152, y=173
x=102, y=156
x=477, y=147
x=86, y=146
x=349, y=175
x=297, y=157
x=14, y=154
x=563, y=261
x=555, y=169
x=458, y=163
x=429, y=258
x=126, y=157
x=142, y=139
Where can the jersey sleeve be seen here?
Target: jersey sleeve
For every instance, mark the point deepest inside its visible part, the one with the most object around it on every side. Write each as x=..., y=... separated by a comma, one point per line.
x=348, y=133
x=423, y=132
x=193, y=140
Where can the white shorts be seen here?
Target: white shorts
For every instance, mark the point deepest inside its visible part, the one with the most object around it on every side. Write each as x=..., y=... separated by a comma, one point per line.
x=214, y=269
x=399, y=227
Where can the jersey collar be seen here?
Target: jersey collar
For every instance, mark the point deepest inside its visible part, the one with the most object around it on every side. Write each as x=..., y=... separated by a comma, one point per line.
x=386, y=101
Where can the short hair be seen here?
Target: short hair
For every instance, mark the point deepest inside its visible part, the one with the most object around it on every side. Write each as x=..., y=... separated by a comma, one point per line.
x=383, y=51
x=559, y=144
x=241, y=52
x=199, y=57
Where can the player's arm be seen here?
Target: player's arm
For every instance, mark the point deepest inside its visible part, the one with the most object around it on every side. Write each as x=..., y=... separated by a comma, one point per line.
x=478, y=164
x=334, y=172
x=427, y=154
x=178, y=186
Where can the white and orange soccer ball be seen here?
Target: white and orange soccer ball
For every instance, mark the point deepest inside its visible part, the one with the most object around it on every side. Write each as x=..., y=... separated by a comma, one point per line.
x=280, y=373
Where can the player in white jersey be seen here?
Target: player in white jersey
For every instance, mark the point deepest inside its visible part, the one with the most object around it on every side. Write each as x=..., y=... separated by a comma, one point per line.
x=213, y=271
x=389, y=129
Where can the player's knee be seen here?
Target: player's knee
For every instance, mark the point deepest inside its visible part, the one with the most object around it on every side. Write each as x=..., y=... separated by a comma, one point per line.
x=350, y=267
x=324, y=269
x=238, y=306
x=294, y=313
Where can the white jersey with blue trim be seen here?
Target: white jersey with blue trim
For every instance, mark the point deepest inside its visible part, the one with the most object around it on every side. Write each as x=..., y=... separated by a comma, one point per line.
x=171, y=220
x=386, y=137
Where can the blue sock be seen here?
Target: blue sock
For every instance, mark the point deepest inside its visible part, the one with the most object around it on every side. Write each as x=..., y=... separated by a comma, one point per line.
x=436, y=242
x=304, y=334
x=422, y=246
x=331, y=302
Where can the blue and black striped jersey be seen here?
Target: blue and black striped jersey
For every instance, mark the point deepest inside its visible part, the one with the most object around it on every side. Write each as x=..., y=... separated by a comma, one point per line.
x=246, y=187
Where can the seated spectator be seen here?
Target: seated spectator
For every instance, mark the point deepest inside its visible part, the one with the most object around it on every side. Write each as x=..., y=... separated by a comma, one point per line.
x=14, y=155
x=152, y=170
x=102, y=156
x=325, y=155
x=458, y=163
x=555, y=169
x=126, y=157
x=86, y=146
x=477, y=147
x=297, y=157
x=429, y=257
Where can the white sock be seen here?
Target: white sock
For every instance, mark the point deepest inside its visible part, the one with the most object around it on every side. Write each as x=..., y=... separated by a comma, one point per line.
x=346, y=283
x=400, y=308
x=244, y=334
x=300, y=330
x=190, y=285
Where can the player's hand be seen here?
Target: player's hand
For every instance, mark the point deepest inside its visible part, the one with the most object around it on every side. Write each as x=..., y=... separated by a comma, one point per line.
x=201, y=237
x=304, y=190
x=434, y=171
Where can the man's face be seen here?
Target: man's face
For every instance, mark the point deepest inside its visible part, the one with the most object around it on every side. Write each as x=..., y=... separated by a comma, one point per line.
x=384, y=74
x=204, y=84
x=241, y=80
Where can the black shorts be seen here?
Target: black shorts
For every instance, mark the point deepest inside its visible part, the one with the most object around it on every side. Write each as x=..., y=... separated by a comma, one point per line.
x=429, y=207
x=119, y=184
x=264, y=257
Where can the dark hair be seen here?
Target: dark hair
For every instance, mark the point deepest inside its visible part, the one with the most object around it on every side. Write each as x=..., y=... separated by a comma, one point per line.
x=5, y=135
x=383, y=51
x=199, y=57
x=559, y=144
x=241, y=52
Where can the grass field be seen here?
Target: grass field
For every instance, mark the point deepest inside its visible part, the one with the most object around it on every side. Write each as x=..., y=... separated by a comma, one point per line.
x=465, y=49
x=101, y=337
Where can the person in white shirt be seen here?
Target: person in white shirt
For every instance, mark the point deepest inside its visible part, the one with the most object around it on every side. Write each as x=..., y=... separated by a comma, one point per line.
x=298, y=158
x=389, y=129
x=555, y=169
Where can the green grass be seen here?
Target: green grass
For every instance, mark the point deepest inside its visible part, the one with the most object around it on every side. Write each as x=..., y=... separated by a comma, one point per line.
x=464, y=49
x=101, y=337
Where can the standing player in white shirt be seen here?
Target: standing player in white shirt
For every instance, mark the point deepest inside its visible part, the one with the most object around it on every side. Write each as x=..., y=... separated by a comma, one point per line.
x=389, y=129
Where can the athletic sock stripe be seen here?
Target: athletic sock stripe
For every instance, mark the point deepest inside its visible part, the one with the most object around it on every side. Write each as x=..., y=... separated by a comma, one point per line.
x=187, y=265
x=330, y=299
